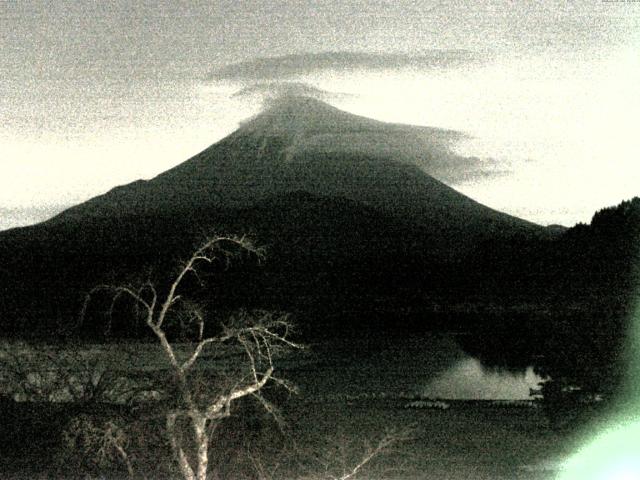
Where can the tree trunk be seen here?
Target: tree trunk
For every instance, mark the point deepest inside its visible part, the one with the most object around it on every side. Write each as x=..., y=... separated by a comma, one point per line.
x=181, y=457
x=202, y=444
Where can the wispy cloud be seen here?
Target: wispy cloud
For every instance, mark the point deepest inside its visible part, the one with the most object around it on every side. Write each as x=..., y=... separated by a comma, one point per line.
x=277, y=89
x=314, y=126
x=289, y=66
x=269, y=79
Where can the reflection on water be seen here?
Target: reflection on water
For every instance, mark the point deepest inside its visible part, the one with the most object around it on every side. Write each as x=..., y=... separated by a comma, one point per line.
x=431, y=365
x=468, y=379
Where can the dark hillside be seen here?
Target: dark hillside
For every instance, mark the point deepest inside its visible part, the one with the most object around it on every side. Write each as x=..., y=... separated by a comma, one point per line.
x=586, y=282
x=322, y=253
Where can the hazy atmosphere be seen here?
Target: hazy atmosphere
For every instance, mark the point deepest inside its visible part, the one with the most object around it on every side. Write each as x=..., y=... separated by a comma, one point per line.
x=319, y=240
x=99, y=94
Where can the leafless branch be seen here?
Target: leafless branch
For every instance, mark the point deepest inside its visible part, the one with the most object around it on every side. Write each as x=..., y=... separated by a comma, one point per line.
x=259, y=334
x=221, y=406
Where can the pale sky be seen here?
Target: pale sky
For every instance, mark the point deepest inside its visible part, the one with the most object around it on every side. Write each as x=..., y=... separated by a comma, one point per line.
x=96, y=94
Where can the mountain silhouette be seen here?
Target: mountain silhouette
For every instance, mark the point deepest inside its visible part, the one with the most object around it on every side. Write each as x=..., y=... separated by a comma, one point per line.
x=345, y=205
x=302, y=144
x=362, y=238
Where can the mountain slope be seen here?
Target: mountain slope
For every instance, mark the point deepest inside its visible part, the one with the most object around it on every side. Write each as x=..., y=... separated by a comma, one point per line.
x=351, y=226
x=301, y=144
x=326, y=257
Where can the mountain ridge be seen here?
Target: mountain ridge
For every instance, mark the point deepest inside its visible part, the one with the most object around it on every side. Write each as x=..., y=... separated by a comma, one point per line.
x=295, y=145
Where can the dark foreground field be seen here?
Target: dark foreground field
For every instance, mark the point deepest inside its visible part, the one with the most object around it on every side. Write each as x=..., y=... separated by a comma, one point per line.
x=469, y=440
x=466, y=441
x=350, y=394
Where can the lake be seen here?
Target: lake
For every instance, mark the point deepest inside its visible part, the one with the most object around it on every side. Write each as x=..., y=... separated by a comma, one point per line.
x=431, y=365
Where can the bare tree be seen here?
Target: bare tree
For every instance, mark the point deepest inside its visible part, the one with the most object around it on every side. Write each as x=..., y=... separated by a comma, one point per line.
x=54, y=373
x=337, y=457
x=196, y=405
x=101, y=443
x=340, y=457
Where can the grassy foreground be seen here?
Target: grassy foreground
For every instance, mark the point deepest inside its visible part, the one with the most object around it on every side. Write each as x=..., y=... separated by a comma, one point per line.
x=466, y=441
